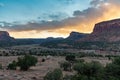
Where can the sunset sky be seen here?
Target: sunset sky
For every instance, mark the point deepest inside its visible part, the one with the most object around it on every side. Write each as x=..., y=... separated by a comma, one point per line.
x=54, y=18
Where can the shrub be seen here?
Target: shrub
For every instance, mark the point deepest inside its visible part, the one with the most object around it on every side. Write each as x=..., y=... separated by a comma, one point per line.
x=66, y=66
x=12, y=66
x=93, y=69
x=79, y=77
x=70, y=58
x=113, y=69
x=43, y=60
x=79, y=67
x=54, y=75
x=0, y=66
x=26, y=62
x=80, y=61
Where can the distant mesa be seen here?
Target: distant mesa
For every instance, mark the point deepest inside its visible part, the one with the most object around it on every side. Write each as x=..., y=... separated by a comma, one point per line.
x=4, y=36
x=52, y=38
x=108, y=31
x=105, y=31
x=76, y=35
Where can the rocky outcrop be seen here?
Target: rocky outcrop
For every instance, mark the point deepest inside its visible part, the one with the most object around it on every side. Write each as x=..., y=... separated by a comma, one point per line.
x=105, y=31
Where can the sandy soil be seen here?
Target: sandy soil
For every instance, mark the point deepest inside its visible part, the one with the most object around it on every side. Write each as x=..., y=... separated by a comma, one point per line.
x=35, y=73
x=39, y=71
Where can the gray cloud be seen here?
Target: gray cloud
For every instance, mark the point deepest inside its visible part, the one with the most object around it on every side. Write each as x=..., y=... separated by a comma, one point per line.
x=53, y=16
x=77, y=13
x=33, y=26
x=58, y=16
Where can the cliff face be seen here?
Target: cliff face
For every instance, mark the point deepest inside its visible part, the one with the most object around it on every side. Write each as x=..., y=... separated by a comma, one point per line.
x=107, y=26
x=105, y=31
x=4, y=36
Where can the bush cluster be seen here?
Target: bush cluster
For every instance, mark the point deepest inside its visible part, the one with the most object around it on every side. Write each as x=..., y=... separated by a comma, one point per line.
x=90, y=71
x=24, y=63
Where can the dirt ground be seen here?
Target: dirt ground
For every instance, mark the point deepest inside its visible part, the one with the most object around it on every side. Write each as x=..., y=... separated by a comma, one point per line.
x=37, y=72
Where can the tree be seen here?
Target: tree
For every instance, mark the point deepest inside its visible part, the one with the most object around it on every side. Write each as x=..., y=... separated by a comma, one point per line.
x=90, y=70
x=79, y=67
x=79, y=77
x=79, y=61
x=0, y=66
x=116, y=61
x=66, y=66
x=12, y=66
x=54, y=75
x=70, y=58
x=112, y=70
x=26, y=62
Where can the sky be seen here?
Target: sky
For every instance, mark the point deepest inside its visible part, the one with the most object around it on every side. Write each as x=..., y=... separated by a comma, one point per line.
x=54, y=18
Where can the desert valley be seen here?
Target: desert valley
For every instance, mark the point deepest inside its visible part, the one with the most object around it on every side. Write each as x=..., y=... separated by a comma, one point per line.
x=102, y=45
x=59, y=40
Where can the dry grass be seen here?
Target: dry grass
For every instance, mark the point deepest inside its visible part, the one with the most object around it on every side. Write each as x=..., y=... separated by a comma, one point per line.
x=37, y=72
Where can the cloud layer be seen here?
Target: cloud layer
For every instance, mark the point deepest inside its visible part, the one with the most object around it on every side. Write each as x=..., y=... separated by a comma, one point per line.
x=82, y=21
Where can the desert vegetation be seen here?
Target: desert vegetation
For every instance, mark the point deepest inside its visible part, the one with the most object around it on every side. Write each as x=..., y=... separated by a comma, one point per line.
x=56, y=64
x=59, y=40
x=87, y=71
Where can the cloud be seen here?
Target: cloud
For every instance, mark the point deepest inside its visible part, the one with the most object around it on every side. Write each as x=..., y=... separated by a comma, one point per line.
x=44, y=25
x=53, y=16
x=58, y=16
x=82, y=21
x=77, y=13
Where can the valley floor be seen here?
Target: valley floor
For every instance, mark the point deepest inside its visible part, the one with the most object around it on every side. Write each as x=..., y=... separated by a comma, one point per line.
x=38, y=72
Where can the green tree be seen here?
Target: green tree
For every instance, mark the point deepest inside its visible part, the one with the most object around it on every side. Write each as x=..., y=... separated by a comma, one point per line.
x=26, y=62
x=79, y=77
x=66, y=66
x=54, y=75
x=112, y=70
x=79, y=67
x=70, y=58
x=12, y=66
x=92, y=70
x=0, y=66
